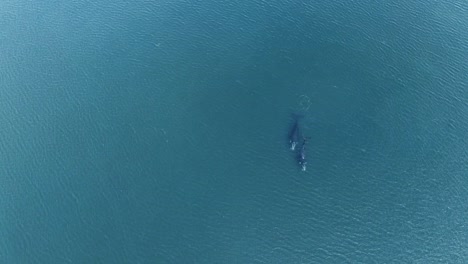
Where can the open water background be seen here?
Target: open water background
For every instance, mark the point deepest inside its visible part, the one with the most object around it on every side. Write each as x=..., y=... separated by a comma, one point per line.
x=156, y=131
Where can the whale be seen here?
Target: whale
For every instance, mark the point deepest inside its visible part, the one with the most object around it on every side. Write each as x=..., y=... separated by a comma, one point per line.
x=302, y=155
x=294, y=133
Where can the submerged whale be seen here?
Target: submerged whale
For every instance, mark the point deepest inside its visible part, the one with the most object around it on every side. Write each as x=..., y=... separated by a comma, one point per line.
x=294, y=133
x=302, y=156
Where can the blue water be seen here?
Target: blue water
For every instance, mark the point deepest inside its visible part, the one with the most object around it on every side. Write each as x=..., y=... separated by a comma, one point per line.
x=156, y=132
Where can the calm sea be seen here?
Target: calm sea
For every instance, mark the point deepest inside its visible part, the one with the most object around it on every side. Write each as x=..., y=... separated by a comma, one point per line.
x=156, y=131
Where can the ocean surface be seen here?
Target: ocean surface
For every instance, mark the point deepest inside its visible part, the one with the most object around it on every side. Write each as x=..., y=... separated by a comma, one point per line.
x=157, y=131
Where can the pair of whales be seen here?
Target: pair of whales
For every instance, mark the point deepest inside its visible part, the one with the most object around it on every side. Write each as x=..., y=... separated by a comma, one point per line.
x=294, y=137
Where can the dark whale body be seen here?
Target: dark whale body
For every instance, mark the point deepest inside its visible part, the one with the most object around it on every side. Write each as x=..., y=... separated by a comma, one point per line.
x=302, y=157
x=294, y=133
